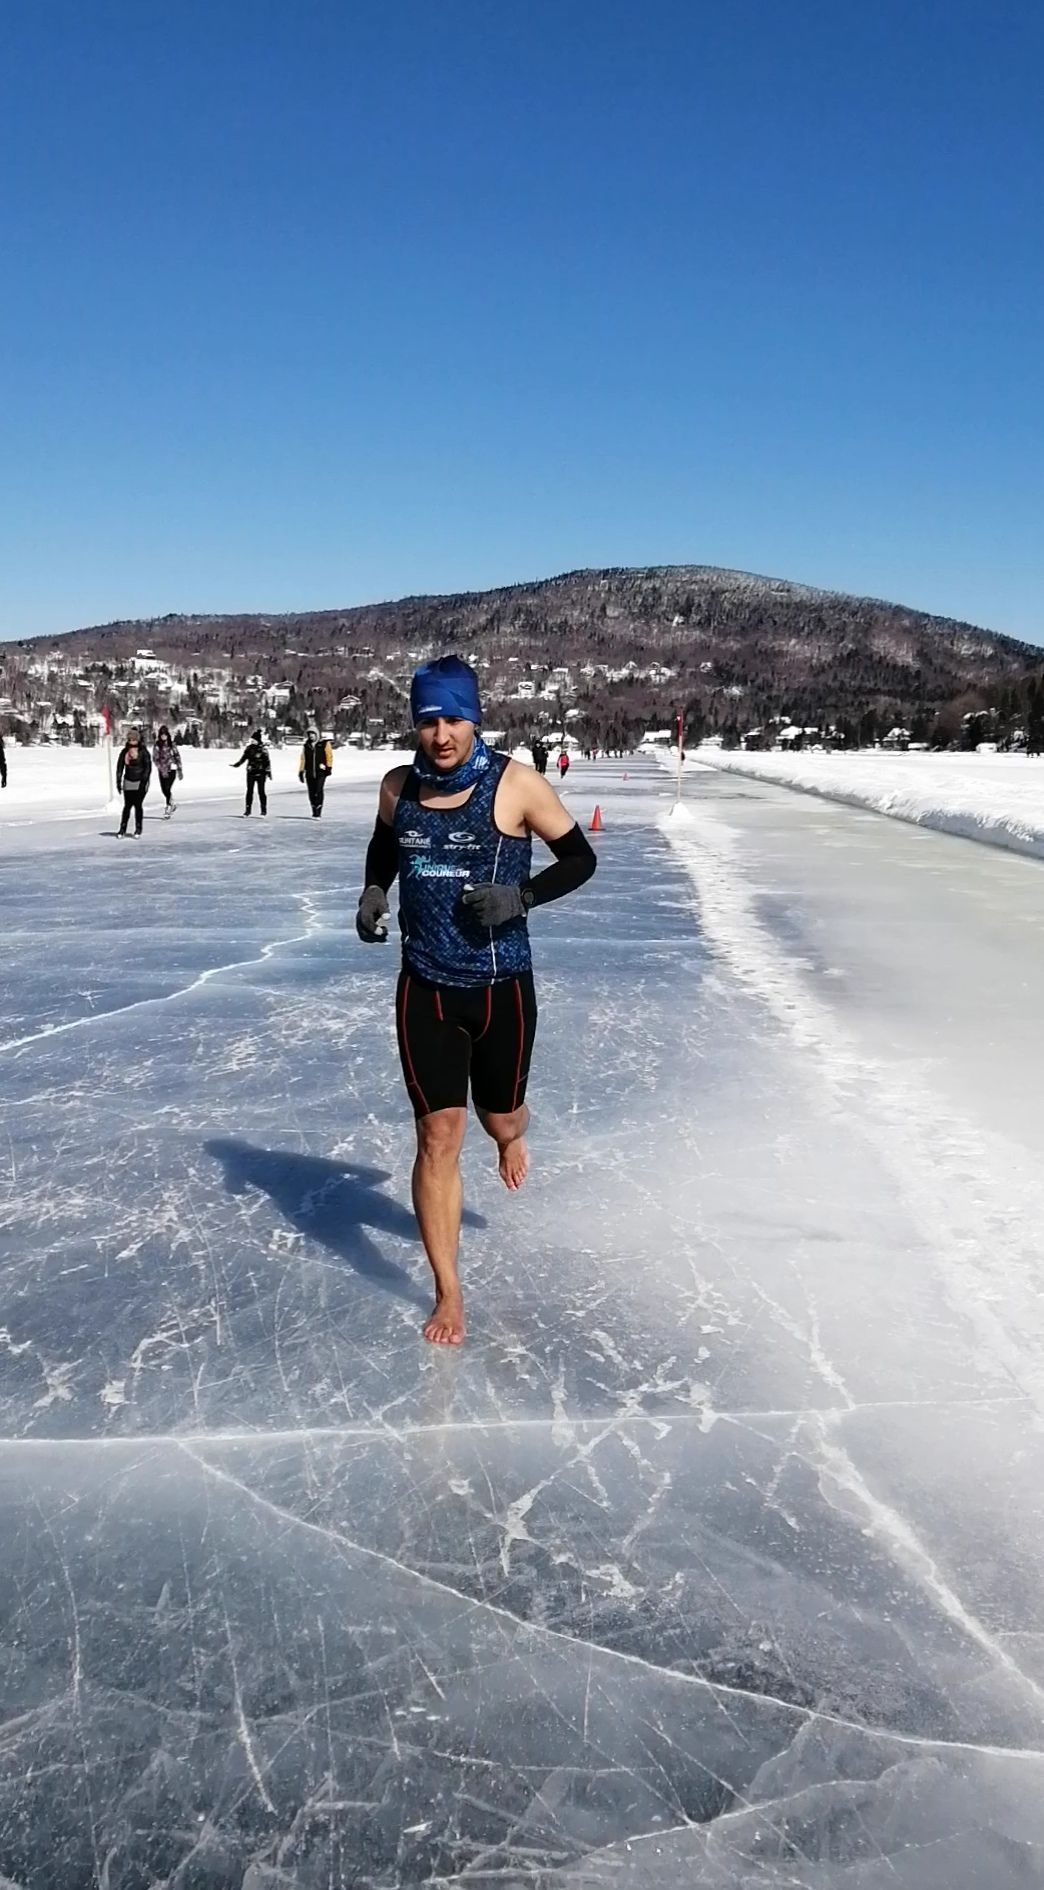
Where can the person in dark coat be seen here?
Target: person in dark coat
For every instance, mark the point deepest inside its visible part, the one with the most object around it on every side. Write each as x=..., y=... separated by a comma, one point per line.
x=3, y=764
x=133, y=771
x=258, y=764
x=315, y=764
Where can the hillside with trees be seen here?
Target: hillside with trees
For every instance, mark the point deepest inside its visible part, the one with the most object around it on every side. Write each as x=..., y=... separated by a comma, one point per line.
x=615, y=651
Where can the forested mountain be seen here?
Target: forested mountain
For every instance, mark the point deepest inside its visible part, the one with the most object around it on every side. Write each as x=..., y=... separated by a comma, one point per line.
x=741, y=650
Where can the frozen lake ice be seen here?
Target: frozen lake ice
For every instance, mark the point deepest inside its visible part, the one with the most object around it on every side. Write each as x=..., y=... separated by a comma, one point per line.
x=713, y=1558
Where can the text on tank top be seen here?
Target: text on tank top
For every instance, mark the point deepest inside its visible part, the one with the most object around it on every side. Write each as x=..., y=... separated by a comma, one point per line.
x=441, y=852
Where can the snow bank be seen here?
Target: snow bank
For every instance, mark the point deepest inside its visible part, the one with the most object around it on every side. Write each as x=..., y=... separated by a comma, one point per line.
x=53, y=783
x=996, y=798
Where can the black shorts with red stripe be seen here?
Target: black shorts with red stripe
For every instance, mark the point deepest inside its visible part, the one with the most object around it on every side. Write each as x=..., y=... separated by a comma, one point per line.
x=450, y=1040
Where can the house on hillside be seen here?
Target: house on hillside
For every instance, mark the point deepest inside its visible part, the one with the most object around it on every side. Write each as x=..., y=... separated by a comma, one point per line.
x=793, y=736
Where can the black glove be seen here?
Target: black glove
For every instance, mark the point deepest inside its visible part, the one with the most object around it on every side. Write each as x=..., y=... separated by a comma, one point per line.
x=494, y=905
x=371, y=916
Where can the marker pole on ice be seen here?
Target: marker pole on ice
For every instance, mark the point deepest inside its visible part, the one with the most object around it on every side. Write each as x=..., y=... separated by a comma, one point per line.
x=107, y=737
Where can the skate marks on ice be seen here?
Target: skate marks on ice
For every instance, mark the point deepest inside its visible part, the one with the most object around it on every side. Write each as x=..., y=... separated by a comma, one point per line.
x=207, y=918
x=301, y=1661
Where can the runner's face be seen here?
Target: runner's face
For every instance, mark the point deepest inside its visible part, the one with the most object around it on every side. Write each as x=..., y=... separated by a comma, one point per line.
x=446, y=742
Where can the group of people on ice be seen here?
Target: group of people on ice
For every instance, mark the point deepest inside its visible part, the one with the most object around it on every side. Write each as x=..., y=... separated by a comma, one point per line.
x=314, y=768
x=542, y=754
x=135, y=765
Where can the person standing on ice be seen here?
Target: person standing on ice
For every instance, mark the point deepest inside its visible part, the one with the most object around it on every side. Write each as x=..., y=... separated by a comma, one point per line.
x=313, y=767
x=167, y=762
x=258, y=766
x=563, y=765
x=3, y=763
x=457, y=827
x=133, y=770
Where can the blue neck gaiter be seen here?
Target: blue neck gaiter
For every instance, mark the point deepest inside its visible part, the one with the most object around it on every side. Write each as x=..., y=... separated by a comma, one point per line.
x=460, y=778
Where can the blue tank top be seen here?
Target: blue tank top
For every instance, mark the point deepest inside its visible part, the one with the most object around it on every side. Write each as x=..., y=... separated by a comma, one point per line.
x=441, y=851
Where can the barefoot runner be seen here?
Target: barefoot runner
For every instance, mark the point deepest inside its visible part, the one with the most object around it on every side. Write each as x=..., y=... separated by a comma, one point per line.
x=458, y=826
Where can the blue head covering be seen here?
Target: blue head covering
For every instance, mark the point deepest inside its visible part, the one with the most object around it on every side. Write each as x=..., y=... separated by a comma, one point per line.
x=448, y=686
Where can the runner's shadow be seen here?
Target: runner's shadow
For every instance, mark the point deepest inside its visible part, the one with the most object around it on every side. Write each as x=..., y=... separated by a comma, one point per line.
x=331, y=1202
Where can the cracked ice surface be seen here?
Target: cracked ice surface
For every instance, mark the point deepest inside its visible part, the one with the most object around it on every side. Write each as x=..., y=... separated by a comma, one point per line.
x=714, y=1557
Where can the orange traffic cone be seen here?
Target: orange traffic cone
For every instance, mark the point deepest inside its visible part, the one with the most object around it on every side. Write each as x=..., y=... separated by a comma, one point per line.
x=596, y=821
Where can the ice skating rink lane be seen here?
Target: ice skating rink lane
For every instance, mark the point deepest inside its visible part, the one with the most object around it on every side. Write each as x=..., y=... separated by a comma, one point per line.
x=713, y=1555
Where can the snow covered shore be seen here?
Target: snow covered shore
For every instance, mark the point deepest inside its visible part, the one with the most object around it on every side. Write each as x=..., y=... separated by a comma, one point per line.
x=996, y=798
x=51, y=783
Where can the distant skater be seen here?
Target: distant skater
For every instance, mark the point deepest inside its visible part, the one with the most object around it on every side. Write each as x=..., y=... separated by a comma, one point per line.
x=457, y=827
x=258, y=764
x=314, y=768
x=539, y=753
x=167, y=762
x=563, y=765
x=133, y=772
x=3, y=764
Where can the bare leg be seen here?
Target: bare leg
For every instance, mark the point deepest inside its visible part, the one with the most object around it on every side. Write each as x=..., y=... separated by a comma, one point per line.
x=508, y=1132
x=437, y=1201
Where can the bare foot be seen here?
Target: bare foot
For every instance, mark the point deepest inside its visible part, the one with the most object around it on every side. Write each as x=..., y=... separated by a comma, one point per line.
x=446, y=1325
x=514, y=1163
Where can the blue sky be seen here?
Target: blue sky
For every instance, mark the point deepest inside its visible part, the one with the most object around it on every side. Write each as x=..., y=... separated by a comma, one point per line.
x=309, y=303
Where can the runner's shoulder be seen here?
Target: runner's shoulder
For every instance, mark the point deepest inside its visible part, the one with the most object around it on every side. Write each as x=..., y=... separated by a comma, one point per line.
x=514, y=776
x=391, y=788
x=518, y=794
x=522, y=780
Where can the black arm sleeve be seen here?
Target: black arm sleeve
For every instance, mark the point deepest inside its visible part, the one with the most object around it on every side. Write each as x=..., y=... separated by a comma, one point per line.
x=382, y=856
x=575, y=861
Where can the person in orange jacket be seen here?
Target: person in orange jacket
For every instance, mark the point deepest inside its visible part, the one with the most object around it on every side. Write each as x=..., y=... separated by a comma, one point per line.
x=314, y=764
